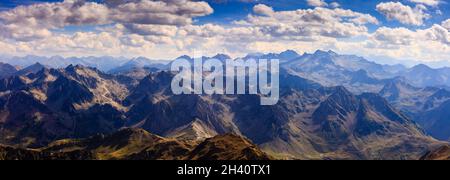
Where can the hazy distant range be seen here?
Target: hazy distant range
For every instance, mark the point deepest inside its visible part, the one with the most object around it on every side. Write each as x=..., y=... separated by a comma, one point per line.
x=107, y=63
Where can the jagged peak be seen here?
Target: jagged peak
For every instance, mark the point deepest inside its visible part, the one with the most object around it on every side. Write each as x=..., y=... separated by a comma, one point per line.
x=378, y=101
x=140, y=58
x=361, y=72
x=222, y=57
x=331, y=52
x=320, y=52
x=73, y=68
x=397, y=82
x=34, y=68
x=343, y=97
x=421, y=67
x=37, y=64
x=289, y=53
x=327, y=53
x=342, y=91
x=441, y=93
x=340, y=99
x=186, y=57
x=228, y=146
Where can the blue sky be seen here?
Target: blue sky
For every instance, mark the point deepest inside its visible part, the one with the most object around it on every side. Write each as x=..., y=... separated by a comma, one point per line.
x=389, y=29
x=235, y=9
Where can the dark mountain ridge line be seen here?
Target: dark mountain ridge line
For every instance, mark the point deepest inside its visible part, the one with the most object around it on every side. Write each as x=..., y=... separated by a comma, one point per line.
x=138, y=144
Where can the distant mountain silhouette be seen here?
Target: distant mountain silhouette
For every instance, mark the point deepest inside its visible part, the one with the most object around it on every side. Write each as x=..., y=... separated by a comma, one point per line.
x=7, y=70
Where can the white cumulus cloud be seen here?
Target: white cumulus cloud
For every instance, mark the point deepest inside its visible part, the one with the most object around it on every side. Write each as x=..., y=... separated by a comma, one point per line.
x=44, y=17
x=165, y=29
x=403, y=13
x=263, y=9
x=317, y=3
x=307, y=23
x=446, y=24
x=427, y=2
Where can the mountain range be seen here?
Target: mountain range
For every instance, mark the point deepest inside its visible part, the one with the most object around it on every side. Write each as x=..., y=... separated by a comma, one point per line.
x=331, y=107
x=348, y=68
x=428, y=106
x=104, y=63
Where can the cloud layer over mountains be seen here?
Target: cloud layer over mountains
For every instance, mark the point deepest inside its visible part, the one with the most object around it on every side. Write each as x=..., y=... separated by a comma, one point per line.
x=169, y=28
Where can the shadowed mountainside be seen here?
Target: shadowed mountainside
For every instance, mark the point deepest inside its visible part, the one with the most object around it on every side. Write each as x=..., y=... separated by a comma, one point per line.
x=138, y=144
x=441, y=153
